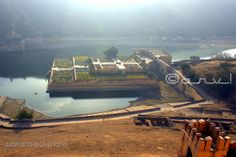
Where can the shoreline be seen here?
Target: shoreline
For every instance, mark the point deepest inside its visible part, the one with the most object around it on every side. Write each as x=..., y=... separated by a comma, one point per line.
x=131, y=105
x=102, y=116
x=10, y=107
x=140, y=101
x=135, y=103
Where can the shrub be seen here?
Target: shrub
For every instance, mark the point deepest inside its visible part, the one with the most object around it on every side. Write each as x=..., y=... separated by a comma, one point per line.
x=189, y=72
x=111, y=53
x=226, y=65
x=185, y=68
x=24, y=114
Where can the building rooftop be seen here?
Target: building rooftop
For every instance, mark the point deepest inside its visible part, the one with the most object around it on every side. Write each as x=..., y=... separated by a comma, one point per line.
x=121, y=63
x=154, y=51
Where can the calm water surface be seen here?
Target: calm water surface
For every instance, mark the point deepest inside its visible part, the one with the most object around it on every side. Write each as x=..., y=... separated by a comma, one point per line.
x=23, y=74
x=62, y=106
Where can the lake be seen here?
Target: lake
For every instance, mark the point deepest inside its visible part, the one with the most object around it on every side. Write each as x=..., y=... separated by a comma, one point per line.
x=23, y=74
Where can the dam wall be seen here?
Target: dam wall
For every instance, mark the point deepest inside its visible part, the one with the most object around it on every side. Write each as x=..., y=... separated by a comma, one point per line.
x=162, y=70
x=94, y=87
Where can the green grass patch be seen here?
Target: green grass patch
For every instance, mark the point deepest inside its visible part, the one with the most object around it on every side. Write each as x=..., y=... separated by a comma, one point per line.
x=63, y=63
x=82, y=60
x=85, y=76
x=62, y=76
x=136, y=76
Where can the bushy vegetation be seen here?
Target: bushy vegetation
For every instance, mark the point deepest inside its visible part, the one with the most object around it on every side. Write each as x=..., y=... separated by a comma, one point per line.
x=223, y=90
x=24, y=114
x=111, y=52
x=222, y=56
x=189, y=72
x=226, y=65
x=219, y=72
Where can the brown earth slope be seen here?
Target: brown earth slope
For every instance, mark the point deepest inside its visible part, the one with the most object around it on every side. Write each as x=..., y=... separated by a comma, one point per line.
x=109, y=138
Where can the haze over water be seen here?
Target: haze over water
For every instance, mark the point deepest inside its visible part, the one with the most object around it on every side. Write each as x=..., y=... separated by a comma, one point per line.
x=24, y=73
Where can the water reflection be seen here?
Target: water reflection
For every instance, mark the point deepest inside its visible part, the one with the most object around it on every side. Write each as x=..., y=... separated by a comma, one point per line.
x=100, y=94
x=22, y=74
x=56, y=106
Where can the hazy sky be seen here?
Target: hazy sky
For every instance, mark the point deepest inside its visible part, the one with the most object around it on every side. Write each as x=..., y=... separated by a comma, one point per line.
x=118, y=17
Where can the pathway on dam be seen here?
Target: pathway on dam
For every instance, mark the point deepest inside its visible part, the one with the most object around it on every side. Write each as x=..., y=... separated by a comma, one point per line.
x=111, y=115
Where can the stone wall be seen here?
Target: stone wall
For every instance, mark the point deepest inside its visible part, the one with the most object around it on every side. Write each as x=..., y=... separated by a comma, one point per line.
x=203, y=139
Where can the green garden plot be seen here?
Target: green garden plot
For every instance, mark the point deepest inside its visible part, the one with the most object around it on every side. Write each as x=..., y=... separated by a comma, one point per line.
x=84, y=75
x=103, y=59
x=82, y=60
x=62, y=76
x=109, y=68
x=137, y=76
x=63, y=63
x=111, y=77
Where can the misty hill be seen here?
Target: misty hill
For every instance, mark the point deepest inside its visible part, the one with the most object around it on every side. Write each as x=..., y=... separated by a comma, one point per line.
x=152, y=17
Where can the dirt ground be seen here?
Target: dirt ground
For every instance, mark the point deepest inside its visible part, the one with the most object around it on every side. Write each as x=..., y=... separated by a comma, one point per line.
x=213, y=67
x=120, y=138
x=110, y=138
